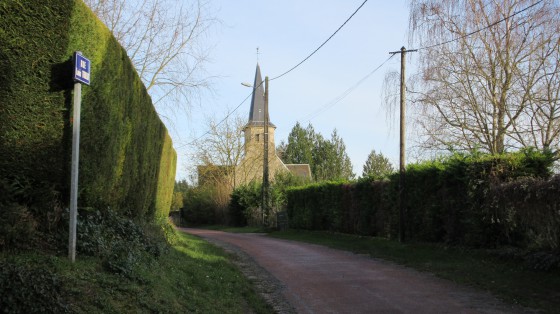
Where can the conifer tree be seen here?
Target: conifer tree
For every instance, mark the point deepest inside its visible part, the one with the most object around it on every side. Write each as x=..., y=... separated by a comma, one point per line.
x=327, y=159
x=377, y=165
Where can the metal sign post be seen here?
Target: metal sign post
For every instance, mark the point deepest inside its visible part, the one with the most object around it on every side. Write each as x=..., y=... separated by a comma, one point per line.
x=82, y=72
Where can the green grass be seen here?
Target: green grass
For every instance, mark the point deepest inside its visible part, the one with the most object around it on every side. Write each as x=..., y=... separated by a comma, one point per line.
x=509, y=280
x=193, y=277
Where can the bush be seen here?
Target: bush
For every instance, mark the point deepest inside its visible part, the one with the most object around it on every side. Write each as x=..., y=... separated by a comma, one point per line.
x=29, y=289
x=23, y=216
x=17, y=226
x=475, y=200
x=245, y=204
x=127, y=160
x=120, y=242
x=527, y=212
x=246, y=201
x=199, y=207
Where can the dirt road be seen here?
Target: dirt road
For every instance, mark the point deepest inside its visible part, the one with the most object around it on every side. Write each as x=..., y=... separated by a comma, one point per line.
x=316, y=279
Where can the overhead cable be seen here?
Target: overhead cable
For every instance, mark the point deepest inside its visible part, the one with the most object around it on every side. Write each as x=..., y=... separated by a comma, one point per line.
x=321, y=46
x=279, y=76
x=347, y=92
x=217, y=124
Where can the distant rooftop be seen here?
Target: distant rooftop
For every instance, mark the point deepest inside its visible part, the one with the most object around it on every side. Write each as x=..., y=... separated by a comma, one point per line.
x=300, y=170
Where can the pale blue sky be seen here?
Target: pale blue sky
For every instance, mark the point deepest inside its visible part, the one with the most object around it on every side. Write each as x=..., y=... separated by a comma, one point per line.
x=287, y=31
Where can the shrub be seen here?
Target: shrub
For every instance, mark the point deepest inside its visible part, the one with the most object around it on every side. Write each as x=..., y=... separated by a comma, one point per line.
x=475, y=200
x=17, y=226
x=29, y=289
x=198, y=206
x=527, y=212
x=120, y=242
x=127, y=160
x=246, y=201
x=22, y=214
x=245, y=204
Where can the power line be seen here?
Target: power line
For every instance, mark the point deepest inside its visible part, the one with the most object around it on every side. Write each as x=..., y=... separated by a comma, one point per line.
x=481, y=29
x=217, y=124
x=279, y=76
x=321, y=46
x=347, y=92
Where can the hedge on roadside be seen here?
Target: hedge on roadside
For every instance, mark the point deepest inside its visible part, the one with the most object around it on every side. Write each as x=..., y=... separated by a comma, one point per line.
x=463, y=199
x=127, y=161
x=528, y=211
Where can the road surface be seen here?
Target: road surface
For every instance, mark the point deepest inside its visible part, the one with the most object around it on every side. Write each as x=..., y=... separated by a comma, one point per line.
x=317, y=279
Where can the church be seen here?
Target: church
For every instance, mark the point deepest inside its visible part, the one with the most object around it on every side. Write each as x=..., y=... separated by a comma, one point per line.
x=251, y=166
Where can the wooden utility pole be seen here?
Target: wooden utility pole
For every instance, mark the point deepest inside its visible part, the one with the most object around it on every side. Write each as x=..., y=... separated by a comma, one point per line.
x=264, y=204
x=402, y=149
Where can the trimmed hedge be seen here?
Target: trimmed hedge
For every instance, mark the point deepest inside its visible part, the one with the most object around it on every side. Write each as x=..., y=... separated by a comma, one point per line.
x=529, y=211
x=126, y=157
x=482, y=201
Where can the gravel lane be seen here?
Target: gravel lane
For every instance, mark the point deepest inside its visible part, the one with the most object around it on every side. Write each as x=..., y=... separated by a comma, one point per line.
x=307, y=278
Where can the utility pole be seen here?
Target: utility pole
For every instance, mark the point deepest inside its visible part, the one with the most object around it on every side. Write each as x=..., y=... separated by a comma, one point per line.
x=264, y=204
x=402, y=169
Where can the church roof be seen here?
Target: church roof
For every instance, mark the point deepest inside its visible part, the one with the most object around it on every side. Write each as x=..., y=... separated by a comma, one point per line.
x=256, y=114
x=300, y=170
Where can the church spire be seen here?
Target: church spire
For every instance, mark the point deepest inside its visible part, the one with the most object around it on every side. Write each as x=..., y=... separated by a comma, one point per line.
x=256, y=114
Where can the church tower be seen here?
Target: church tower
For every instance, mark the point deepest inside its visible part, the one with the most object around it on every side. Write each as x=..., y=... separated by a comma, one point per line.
x=254, y=129
x=251, y=166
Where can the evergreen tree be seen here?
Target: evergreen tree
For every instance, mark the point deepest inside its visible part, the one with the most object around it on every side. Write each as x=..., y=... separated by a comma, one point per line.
x=377, y=166
x=331, y=160
x=327, y=158
x=300, y=146
x=322, y=158
x=342, y=164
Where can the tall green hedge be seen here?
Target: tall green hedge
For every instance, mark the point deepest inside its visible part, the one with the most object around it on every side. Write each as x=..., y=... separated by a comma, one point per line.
x=475, y=200
x=126, y=157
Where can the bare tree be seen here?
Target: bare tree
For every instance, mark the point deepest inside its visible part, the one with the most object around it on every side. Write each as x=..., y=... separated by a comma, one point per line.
x=217, y=156
x=164, y=39
x=541, y=128
x=491, y=89
x=220, y=152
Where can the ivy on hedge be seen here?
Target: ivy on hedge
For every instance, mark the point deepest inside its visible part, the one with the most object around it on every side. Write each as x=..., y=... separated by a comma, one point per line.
x=462, y=199
x=126, y=157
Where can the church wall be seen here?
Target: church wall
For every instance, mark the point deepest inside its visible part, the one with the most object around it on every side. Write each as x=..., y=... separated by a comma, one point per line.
x=251, y=168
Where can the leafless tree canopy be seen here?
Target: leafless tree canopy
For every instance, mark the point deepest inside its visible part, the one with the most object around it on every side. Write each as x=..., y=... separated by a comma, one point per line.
x=490, y=90
x=219, y=153
x=164, y=39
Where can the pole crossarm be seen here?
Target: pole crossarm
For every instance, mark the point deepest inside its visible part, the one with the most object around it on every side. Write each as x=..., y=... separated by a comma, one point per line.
x=401, y=51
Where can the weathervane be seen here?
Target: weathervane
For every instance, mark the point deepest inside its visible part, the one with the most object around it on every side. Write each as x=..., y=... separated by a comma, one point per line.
x=258, y=54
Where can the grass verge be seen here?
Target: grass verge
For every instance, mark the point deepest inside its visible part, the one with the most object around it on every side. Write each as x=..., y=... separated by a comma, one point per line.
x=193, y=277
x=509, y=280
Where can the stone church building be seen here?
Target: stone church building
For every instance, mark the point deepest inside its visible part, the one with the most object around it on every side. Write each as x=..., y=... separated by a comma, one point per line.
x=251, y=166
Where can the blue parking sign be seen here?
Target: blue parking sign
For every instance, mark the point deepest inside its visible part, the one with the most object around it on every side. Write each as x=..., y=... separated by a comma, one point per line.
x=82, y=68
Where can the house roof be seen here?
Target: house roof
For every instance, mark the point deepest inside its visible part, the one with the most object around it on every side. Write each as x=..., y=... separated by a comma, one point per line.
x=300, y=170
x=256, y=114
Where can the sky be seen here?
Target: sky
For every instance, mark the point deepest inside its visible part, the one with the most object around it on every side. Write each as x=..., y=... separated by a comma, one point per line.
x=287, y=31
